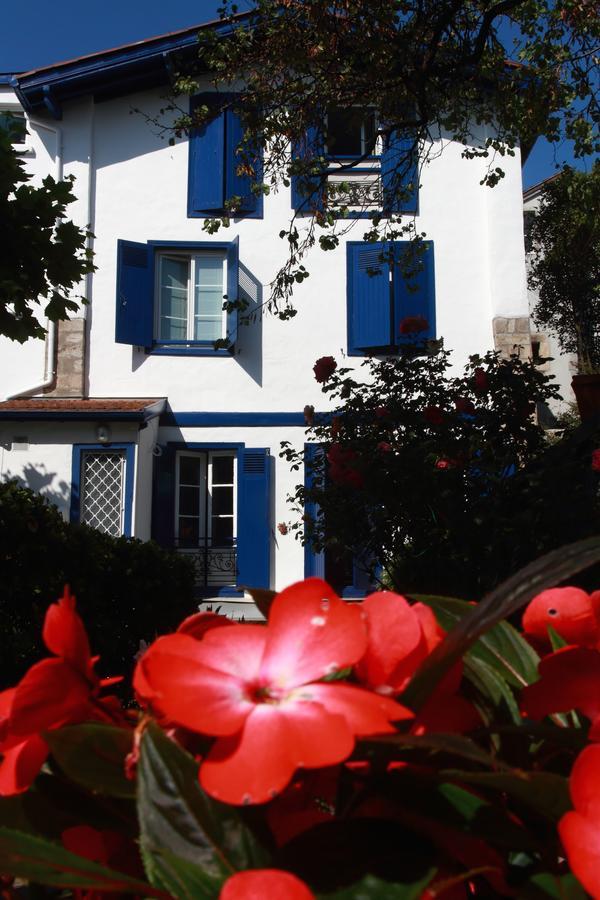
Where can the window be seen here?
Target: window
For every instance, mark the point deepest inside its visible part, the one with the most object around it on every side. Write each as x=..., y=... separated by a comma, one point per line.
x=172, y=298
x=350, y=132
x=102, y=487
x=214, y=504
x=13, y=122
x=386, y=284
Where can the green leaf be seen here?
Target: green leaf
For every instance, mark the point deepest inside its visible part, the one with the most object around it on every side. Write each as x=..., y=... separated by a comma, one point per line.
x=544, y=792
x=507, y=598
x=37, y=859
x=555, y=639
x=371, y=888
x=181, y=828
x=492, y=687
x=93, y=755
x=450, y=744
x=544, y=886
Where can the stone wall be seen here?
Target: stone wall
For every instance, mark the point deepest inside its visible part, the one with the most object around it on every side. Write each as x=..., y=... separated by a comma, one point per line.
x=70, y=360
x=512, y=336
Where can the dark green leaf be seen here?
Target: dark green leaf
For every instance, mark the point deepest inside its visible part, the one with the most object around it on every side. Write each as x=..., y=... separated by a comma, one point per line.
x=37, y=859
x=492, y=687
x=558, y=887
x=93, y=755
x=450, y=744
x=548, y=571
x=371, y=888
x=555, y=639
x=544, y=792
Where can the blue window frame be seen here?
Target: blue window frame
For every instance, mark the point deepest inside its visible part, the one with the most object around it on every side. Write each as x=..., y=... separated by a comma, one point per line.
x=386, y=283
x=214, y=175
x=102, y=479
x=171, y=294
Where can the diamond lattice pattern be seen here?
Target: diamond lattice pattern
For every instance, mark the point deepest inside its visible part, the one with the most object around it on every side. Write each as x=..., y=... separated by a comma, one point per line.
x=102, y=492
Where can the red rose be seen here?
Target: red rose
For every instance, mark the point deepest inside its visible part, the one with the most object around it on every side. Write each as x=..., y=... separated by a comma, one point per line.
x=596, y=461
x=433, y=415
x=464, y=405
x=381, y=412
x=384, y=447
x=413, y=325
x=324, y=368
x=444, y=463
x=481, y=381
x=282, y=528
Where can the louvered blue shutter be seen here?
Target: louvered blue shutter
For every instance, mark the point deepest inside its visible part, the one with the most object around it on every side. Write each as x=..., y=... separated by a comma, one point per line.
x=414, y=287
x=135, y=294
x=206, y=174
x=307, y=192
x=233, y=265
x=369, y=297
x=399, y=175
x=254, y=519
x=239, y=185
x=163, y=498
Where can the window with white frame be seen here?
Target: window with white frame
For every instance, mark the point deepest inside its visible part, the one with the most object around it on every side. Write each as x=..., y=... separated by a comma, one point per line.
x=190, y=296
x=102, y=496
x=351, y=132
x=13, y=122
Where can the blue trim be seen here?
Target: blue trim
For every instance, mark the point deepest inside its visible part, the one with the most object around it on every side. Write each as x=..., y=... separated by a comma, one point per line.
x=78, y=450
x=235, y=419
x=314, y=563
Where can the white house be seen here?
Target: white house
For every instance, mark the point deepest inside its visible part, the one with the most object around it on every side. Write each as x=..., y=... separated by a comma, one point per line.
x=128, y=417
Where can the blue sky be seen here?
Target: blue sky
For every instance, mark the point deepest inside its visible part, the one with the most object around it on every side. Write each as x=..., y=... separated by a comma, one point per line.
x=40, y=32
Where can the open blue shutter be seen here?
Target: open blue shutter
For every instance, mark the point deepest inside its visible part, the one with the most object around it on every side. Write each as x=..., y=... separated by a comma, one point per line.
x=135, y=294
x=369, y=297
x=399, y=175
x=314, y=563
x=254, y=519
x=238, y=185
x=206, y=175
x=233, y=264
x=163, y=498
x=414, y=287
x=306, y=192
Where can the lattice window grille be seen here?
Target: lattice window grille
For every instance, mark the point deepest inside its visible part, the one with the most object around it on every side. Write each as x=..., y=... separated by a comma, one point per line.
x=102, y=491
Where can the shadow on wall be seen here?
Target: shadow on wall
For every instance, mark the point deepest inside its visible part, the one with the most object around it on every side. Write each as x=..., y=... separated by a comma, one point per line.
x=39, y=479
x=248, y=350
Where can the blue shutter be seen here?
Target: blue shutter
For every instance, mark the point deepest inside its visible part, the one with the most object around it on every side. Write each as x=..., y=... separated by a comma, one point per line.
x=399, y=176
x=233, y=264
x=206, y=175
x=254, y=519
x=238, y=185
x=306, y=192
x=369, y=297
x=414, y=289
x=163, y=498
x=314, y=563
x=135, y=294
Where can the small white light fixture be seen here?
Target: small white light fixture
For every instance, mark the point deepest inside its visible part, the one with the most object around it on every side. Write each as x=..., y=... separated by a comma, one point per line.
x=103, y=434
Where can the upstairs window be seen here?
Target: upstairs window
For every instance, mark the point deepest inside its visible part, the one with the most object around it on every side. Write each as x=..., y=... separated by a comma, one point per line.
x=190, y=291
x=350, y=133
x=14, y=123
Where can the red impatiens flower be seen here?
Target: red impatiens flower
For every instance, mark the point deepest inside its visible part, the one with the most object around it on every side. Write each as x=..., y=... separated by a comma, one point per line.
x=413, y=325
x=569, y=679
x=258, y=691
x=54, y=692
x=596, y=460
x=433, y=415
x=580, y=829
x=260, y=884
x=324, y=368
x=570, y=611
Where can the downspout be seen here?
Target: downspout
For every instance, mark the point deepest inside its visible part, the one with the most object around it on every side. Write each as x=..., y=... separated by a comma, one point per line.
x=50, y=362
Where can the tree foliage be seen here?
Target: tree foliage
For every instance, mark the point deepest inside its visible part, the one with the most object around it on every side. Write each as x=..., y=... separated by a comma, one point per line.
x=565, y=267
x=490, y=75
x=44, y=255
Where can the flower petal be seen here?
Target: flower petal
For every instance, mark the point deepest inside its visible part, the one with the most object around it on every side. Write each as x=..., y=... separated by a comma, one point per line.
x=237, y=650
x=365, y=711
x=198, y=624
x=584, y=782
x=311, y=632
x=21, y=765
x=64, y=633
x=188, y=692
x=581, y=840
x=259, y=884
x=394, y=638
x=320, y=737
x=569, y=679
x=568, y=610
x=52, y=693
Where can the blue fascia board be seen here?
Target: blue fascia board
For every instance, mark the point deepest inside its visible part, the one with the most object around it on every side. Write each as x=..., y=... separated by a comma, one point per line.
x=238, y=419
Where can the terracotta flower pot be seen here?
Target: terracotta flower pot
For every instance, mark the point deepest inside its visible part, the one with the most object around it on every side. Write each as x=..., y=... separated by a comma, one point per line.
x=587, y=393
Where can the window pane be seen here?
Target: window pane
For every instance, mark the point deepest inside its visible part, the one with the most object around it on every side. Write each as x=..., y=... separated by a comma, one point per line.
x=208, y=302
x=222, y=532
x=222, y=501
x=14, y=123
x=173, y=299
x=189, y=470
x=188, y=532
x=344, y=132
x=189, y=501
x=222, y=470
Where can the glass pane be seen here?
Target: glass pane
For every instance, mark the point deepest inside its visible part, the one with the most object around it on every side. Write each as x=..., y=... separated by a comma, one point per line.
x=173, y=299
x=222, y=470
x=222, y=501
x=189, y=501
x=208, y=302
x=14, y=123
x=188, y=532
x=189, y=470
x=344, y=131
x=222, y=532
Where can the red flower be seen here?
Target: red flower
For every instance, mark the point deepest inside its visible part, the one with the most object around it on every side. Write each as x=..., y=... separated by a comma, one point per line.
x=580, y=829
x=572, y=613
x=465, y=406
x=109, y=848
x=569, y=679
x=257, y=690
x=324, y=368
x=384, y=447
x=413, y=325
x=343, y=462
x=260, y=884
x=433, y=415
x=445, y=463
x=282, y=528
x=381, y=412
x=481, y=381
x=54, y=692
x=596, y=460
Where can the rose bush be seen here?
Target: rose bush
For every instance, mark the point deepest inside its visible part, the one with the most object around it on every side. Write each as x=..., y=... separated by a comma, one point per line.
x=403, y=747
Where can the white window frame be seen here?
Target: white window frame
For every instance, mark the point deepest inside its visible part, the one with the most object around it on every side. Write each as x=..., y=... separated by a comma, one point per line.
x=194, y=259
x=16, y=110
x=205, y=488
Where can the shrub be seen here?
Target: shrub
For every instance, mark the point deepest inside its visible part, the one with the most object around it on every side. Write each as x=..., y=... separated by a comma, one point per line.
x=128, y=590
